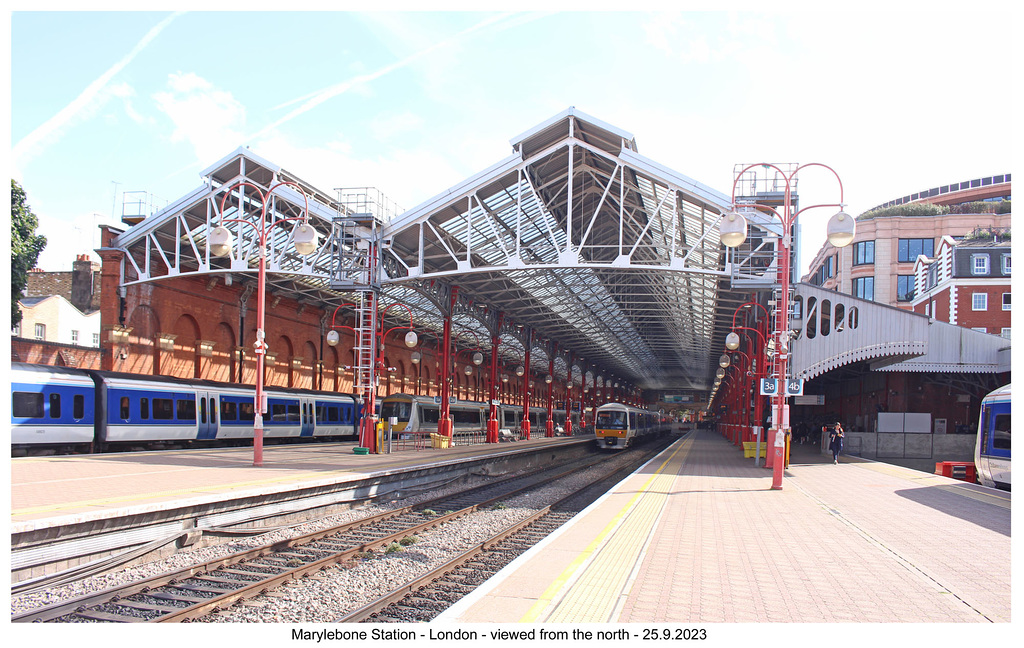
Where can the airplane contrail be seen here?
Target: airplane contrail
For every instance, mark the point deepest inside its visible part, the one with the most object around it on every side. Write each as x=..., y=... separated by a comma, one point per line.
x=31, y=143
x=314, y=99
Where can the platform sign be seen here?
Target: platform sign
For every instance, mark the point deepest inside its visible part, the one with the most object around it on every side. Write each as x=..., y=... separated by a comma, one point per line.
x=809, y=399
x=794, y=387
x=769, y=387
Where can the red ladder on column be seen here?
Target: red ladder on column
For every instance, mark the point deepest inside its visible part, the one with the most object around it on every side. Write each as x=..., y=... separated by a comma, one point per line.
x=366, y=354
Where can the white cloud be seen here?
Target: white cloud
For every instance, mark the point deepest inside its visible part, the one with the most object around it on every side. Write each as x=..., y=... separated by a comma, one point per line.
x=209, y=119
x=408, y=177
x=385, y=127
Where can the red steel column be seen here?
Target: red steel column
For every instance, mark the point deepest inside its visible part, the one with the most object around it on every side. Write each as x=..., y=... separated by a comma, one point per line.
x=526, y=385
x=568, y=398
x=444, y=421
x=550, y=425
x=492, y=416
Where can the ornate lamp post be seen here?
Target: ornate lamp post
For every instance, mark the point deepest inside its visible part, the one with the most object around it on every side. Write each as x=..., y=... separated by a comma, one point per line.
x=733, y=232
x=304, y=239
x=367, y=430
x=732, y=343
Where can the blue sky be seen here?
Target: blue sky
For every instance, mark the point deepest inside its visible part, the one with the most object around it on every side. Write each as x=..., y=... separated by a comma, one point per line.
x=413, y=103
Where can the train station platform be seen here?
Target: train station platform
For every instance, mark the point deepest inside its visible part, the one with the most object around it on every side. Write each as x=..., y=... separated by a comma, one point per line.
x=698, y=536
x=70, y=510
x=79, y=486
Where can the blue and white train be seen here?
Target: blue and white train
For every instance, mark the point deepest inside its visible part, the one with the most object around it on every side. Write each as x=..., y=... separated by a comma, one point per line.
x=59, y=409
x=992, y=450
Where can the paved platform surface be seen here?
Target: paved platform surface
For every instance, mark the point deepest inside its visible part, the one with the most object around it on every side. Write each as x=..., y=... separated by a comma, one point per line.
x=48, y=489
x=698, y=536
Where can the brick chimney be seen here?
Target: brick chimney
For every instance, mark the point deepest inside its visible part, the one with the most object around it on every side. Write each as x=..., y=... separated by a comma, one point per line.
x=82, y=283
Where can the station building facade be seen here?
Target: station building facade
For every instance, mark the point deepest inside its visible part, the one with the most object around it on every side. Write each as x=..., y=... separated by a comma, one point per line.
x=191, y=328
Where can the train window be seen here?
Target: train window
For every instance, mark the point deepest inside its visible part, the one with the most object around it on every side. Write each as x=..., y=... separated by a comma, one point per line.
x=468, y=417
x=611, y=420
x=228, y=411
x=1001, y=432
x=293, y=413
x=430, y=414
x=333, y=414
x=246, y=411
x=163, y=409
x=213, y=411
x=144, y=408
x=202, y=409
x=55, y=406
x=186, y=410
x=125, y=414
x=27, y=405
x=398, y=409
x=78, y=407
x=278, y=412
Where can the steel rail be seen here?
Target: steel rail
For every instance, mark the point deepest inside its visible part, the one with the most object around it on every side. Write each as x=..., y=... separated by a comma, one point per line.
x=171, y=579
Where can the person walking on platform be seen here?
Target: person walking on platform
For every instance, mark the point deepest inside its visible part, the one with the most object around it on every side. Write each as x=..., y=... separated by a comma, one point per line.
x=835, y=441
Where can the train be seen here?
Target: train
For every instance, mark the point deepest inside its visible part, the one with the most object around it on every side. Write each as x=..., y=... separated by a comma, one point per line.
x=992, y=448
x=68, y=410
x=420, y=414
x=618, y=426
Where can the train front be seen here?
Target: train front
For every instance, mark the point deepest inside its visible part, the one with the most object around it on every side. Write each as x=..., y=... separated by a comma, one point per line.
x=612, y=428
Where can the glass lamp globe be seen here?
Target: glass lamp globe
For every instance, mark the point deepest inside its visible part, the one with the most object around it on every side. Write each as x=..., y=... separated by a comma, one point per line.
x=733, y=230
x=841, y=229
x=219, y=241
x=732, y=341
x=306, y=240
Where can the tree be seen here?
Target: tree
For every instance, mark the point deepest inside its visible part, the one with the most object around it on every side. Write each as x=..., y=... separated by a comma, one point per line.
x=25, y=246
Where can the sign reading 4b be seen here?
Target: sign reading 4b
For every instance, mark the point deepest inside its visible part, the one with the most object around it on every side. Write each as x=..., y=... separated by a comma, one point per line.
x=794, y=387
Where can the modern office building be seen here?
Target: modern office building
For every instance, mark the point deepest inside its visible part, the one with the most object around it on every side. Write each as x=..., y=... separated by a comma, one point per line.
x=879, y=264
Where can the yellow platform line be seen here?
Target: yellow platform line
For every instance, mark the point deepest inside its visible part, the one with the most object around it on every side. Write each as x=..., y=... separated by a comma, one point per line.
x=601, y=572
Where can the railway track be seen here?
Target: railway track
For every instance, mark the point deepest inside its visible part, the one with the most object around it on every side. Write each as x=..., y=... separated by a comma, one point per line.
x=205, y=588
x=426, y=597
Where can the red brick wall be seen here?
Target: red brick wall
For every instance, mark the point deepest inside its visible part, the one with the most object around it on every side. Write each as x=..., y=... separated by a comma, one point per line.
x=993, y=319
x=51, y=353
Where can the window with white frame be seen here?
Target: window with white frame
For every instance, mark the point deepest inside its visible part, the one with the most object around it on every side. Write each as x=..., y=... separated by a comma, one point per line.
x=40, y=331
x=979, y=329
x=1005, y=333
x=74, y=336
x=1006, y=301
x=95, y=339
x=979, y=301
x=979, y=264
x=1006, y=264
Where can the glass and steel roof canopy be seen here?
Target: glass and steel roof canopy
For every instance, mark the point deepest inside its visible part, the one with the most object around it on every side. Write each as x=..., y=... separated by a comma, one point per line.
x=574, y=236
